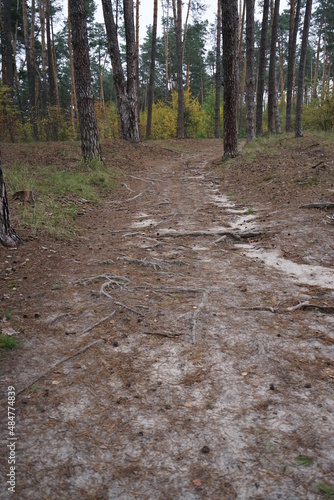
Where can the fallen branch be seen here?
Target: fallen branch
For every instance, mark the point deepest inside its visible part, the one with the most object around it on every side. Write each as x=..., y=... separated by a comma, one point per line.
x=323, y=205
x=163, y=334
x=254, y=308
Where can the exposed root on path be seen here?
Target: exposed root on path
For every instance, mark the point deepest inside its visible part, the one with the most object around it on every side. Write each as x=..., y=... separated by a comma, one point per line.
x=237, y=235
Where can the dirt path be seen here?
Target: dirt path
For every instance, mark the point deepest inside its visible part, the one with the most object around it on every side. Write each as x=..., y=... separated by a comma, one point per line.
x=167, y=355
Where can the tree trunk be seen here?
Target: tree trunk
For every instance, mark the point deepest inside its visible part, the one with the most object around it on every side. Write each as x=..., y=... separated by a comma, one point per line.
x=272, y=96
x=294, y=21
x=126, y=105
x=8, y=236
x=29, y=47
x=177, y=12
x=301, y=74
x=316, y=69
x=152, y=71
x=74, y=106
x=218, y=71
x=52, y=90
x=42, y=8
x=90, y=144
x=250, y=73
x=132, y=115
x=230, y=76
x=166, y=46
x=8, y=47
x=262, y=70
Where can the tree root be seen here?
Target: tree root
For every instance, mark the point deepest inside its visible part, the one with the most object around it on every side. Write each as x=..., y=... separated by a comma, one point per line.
x=58, y=363
x=237, y=235
x=324, y=205
x=306, y=306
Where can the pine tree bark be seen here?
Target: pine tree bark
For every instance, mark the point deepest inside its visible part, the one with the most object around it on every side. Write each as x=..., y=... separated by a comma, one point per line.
x=250, y=72
x=230, y=76
x=8, y=47
x=218, y=71
x=90, y=144
x=8, y=236
x=177, y=13
x=131, y=66
x=294, y=22
x=272, y=92
x=126, y=95
x=30, y=54
x=152, y=71
x=262, y=70
x=301, y=74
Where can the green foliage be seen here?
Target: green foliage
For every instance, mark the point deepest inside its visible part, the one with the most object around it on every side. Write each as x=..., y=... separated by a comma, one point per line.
x=326, y=490
x=8, y=342
x=107, y=121
x=319, y=114
x=304, y=460
x=164, y=122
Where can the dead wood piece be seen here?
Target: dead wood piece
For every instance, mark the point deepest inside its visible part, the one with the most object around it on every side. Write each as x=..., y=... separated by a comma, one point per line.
x=25, y=195
x=163, y=334
x=323, y=205
x=318, y=164
x=254, y=308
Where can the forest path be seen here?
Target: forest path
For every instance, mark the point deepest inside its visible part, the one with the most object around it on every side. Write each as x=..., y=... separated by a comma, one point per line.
x=172, y=356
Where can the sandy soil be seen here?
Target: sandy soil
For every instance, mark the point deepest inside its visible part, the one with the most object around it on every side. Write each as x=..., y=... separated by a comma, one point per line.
x=182, y=345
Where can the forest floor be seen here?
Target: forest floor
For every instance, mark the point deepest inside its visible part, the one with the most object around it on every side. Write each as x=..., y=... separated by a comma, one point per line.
x=181, y=345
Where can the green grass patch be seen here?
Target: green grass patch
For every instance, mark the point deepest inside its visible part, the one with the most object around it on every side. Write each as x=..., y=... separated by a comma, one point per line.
x=8, y=342
x=326, y=490
x=60, y=194
x=304, y=460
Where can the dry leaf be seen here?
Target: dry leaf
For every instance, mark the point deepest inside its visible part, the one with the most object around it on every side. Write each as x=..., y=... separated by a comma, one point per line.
x=244, y=374
x=188, y=405
x=55, y=382
x=197, y=482
x=103, y=447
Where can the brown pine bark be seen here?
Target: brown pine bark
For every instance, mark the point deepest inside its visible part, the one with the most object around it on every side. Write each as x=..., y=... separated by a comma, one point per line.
x=301, y=74
x=132, y=115
x=262, y=70
x=74, y=105
x=230, y=76
x=126, y=95
x=294, y=21
x=90, y=144
x=250, y=72
x=30, y=55
x=8, y=236
x=152, y=71
x=272, y=93
x=218, y=71
x=177, y=13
